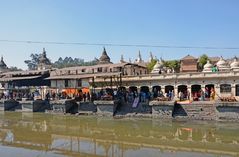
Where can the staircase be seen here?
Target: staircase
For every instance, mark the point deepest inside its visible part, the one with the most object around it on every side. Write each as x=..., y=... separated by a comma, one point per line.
x=200, y=110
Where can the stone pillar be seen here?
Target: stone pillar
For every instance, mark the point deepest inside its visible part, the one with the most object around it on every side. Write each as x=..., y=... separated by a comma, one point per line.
x=203, y=88
x=217, y=90
x=163, y=89
x=138, y=89
x=189, y=88
x=175, y=92
x=150, y=88
x=233, y=89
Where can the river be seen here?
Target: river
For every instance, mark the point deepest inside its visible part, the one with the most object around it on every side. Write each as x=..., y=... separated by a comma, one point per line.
x=24, y=134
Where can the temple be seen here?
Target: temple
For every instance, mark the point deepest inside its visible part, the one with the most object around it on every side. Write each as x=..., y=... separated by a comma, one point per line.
x=44, y=62
x=189, y=64
x=3, y=66
x=104, y=59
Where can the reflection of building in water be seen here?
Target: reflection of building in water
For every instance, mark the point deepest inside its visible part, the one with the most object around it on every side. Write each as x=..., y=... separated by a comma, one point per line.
x=102, y=137
x=9, y=137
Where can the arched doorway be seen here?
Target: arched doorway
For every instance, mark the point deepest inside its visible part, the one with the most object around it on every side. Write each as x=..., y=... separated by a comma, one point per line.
x=169, y=88
x=144, y=94
x=133, y=89
x=195, y=92
x=144, y=89
x=156, y=90
x=109, y=91
x=182, y=91
x=182, y=88
x=122, y=88
x=237, y=90
x=170, y=91
x=208, y=89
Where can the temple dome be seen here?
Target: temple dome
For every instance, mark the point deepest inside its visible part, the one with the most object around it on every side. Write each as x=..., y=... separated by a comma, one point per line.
x=104, y=59
x=158, y=67
x=207, y=67
x=222, y=64
x=235, y=64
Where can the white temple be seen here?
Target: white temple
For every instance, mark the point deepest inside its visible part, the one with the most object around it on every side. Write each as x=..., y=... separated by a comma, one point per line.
x=158, y=67
x=235, y=65
x=207, y=67
x=222, y=65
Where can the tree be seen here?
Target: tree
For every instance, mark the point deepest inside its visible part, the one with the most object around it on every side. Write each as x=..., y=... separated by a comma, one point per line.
x=202, y=61
x=150, y=65
x=173, y=64
x=33, y=62
x=70, y=62
x=14, y=69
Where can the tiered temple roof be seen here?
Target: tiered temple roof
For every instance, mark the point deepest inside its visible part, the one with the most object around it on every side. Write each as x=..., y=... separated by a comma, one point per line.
x=104, y=59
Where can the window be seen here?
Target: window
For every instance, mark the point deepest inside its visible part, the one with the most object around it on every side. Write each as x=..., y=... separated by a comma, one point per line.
x=66, y=83
x=79, y=83
x=225, y=88
x=83, y=70
x=105, y=70
x=237, y=90
x=99, y=70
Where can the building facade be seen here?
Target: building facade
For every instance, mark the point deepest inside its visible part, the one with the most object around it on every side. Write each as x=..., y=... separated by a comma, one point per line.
x=80, y=76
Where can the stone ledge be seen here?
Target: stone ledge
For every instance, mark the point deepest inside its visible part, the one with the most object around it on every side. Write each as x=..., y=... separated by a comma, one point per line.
x=105, y=102
x=159, y=103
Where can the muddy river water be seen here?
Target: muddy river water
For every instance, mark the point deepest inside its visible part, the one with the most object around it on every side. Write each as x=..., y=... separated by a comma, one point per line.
x=57, y=135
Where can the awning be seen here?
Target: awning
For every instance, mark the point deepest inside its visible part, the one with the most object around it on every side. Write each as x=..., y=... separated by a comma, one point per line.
x=62, y=77
x=6, y=79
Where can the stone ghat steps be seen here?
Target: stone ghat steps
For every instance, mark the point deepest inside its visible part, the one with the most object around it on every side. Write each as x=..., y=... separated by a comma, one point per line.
x=199, y=111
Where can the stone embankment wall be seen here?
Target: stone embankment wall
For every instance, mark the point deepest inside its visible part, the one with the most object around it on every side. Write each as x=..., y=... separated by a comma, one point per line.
x=106, y=108
x=227, y=111
x=207, y=110
x=204, y=110
x=198, y=111
x=87, y=108
x=162, y=109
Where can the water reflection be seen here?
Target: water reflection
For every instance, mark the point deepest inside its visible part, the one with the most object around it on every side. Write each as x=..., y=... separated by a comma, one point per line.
x=60, y=135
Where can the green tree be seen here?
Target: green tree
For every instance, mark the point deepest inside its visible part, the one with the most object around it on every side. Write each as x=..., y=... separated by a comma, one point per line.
x=173, y=64
x=202, y=61
x=70, y=62
x=150, y=65
x=33, y=62
x=14, y=69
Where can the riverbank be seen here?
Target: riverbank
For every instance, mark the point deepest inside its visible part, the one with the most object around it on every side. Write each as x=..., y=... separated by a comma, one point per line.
x=198, y=110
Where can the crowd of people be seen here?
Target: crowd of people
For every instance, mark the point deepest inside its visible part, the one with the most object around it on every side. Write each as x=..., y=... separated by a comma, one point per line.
x=19, y=95
x=199, y=95
x=120, y=93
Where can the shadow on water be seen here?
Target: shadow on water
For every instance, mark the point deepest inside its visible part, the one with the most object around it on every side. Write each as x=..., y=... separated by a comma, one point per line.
x=67, y=135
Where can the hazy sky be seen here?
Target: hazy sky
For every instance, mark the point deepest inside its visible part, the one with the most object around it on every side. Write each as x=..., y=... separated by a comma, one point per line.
x=204, y=23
